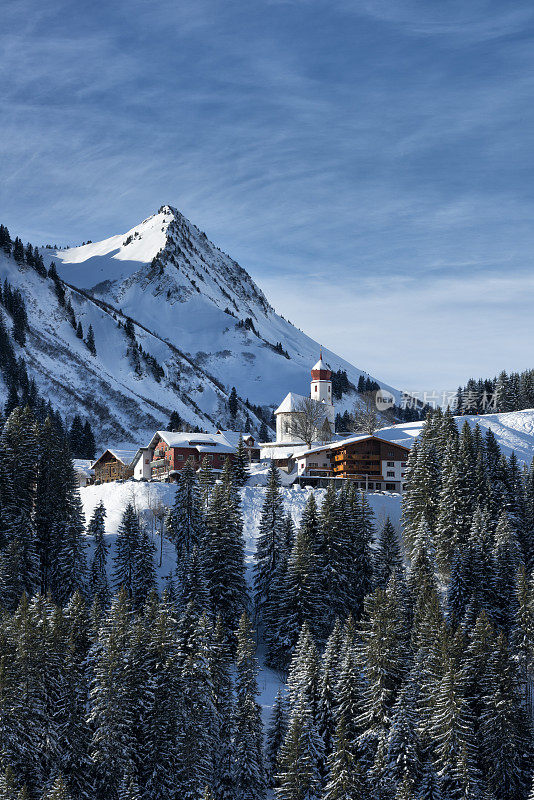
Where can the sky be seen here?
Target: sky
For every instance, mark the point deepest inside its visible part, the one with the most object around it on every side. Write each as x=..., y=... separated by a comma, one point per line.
x=370, y=163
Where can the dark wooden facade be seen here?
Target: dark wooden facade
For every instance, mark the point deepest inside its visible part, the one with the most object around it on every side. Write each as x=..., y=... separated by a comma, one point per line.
x=109, y=468
x=365, y=458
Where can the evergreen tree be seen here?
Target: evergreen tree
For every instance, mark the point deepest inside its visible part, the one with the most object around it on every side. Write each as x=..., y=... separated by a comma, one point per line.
x=129, y=788
x=157, y=754
x=197, y=720
x=88, y=440
x=114, y=710
x=298, y=774
x=206, y=481
x=76, y=432
x=49, y=499
x=452, y=732
x=505, y=734
x=249, y=769
x=224, y=772
x=421, y=496
x=185, y=522
x=144, y=577
x=345, y=781
x=58, y=790
x=384, y=654
x=363, y=533
x=70, y=572
x=404, y=749
x=19, y=565
x=271, y=554
x=241, y=463
x=334, y=549
x=194, y=590
x=507, y=560
x=90, y=341
x=276, y=733
x=298, y=598
x=18, y=251
x=225, y=562
x=304, y=674
x=233, y=403
x=388, y=558
x=330, y=674
x=127, y=544
x=175, y=422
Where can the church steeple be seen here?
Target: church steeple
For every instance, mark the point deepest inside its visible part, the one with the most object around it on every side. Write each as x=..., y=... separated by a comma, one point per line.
x=320, y=371
x=321, y=384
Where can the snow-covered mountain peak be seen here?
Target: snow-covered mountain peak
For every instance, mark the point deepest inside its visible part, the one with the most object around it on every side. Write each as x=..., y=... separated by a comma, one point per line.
x=165, y=254
x=166, y=275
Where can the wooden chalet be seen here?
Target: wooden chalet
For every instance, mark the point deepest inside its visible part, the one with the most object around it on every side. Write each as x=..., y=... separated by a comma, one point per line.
x=372, y=462
x=113, y=465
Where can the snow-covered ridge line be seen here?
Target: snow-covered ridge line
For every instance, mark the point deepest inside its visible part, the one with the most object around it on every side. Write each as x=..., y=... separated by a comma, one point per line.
x=166, y=275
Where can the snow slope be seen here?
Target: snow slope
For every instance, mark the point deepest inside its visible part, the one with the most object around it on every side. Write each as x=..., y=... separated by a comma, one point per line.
x=150, y=500
x=514, y=431
x=125, y=407
x=169, y=277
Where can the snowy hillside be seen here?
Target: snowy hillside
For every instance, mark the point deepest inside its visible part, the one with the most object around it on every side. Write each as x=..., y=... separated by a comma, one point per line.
x=514, y=431
x=170, y=278
x=124, y=402
x=149, y=499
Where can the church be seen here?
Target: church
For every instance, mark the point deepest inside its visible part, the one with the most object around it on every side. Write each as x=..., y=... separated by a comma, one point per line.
x=294, y=405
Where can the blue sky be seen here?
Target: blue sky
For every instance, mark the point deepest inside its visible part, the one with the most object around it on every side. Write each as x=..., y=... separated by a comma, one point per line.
x=370, y=163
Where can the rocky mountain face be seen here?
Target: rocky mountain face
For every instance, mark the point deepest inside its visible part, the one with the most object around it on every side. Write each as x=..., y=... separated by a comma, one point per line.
x=177, y=323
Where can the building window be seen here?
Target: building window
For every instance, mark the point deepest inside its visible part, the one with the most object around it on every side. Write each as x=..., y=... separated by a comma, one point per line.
x=316, y=387
x=390, y=475
x=390, y=487
x=391, y=464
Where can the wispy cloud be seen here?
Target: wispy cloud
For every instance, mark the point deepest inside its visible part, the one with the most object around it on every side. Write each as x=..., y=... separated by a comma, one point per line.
x=377, y=154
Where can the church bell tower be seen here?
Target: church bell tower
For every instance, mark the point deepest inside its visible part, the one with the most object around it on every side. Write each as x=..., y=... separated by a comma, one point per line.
x=321, y=383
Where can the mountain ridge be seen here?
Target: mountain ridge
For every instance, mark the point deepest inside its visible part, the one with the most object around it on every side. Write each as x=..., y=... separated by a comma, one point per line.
x=177, y=323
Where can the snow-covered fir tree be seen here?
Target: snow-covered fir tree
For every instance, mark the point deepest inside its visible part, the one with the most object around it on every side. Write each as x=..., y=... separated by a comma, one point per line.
x=98, y=582
x=271, y=553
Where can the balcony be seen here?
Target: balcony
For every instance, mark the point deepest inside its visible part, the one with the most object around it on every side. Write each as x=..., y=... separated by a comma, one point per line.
x=159, y=462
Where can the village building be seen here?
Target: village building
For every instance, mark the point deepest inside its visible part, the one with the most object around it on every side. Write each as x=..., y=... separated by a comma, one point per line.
x=141, y=464
x=373, y=463
x=171, y=450
x=114, y=465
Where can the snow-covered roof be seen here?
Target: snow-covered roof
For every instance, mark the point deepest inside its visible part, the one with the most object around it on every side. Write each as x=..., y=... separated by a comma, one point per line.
x=84, y=466
x=232, y=437
x=125, y=456
x=203, y=442
x=350, y=440
x=320, y=364
x=291, y=402
x=287, y=451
